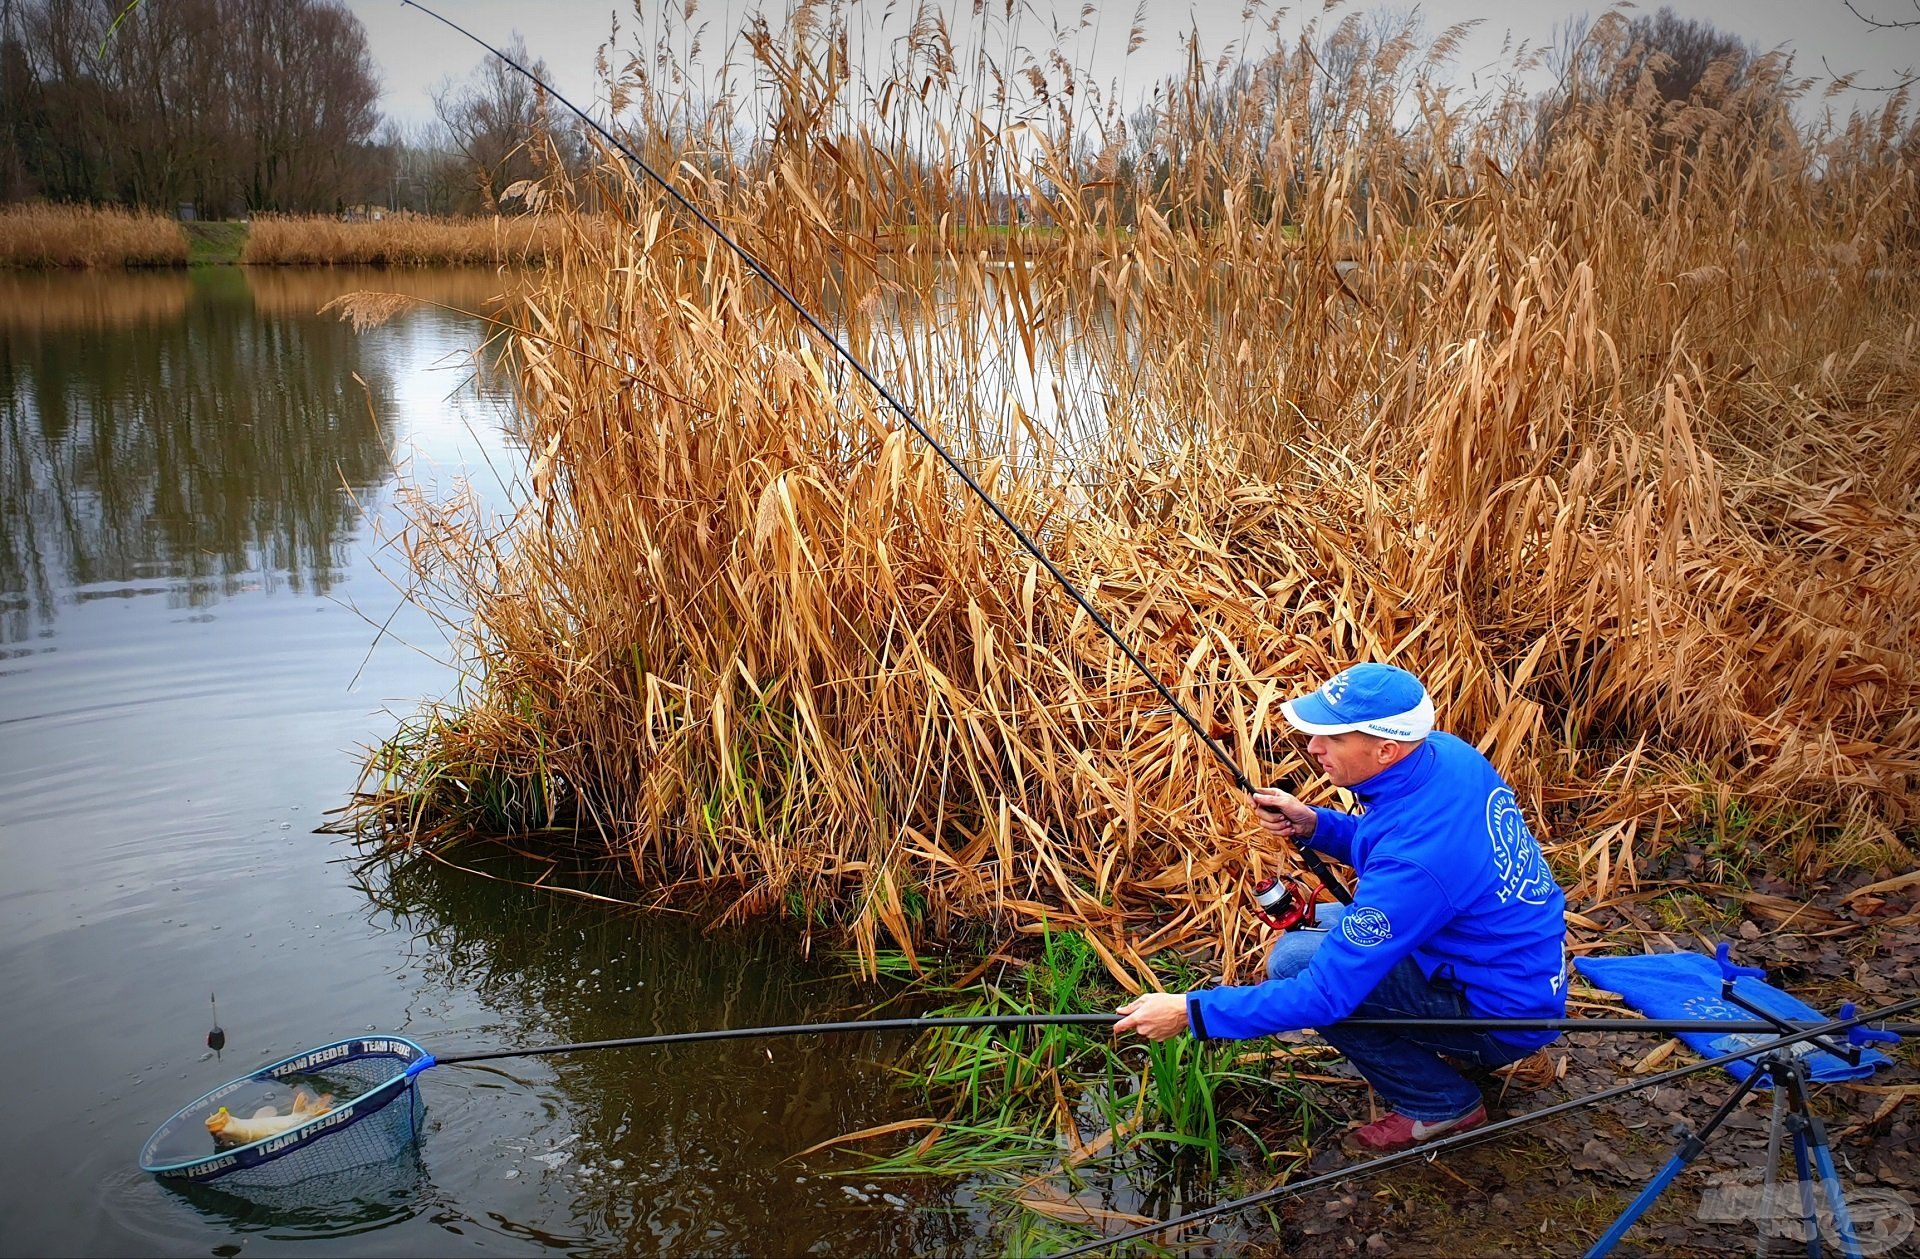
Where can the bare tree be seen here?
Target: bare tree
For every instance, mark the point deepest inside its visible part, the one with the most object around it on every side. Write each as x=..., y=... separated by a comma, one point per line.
x=1903, y=79
x=1681, y=57
x=500, y=123
x=261, y=104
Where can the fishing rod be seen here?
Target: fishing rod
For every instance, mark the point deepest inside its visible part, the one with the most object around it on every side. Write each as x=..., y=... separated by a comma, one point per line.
x=1607, y=1025
x=1476, y=1135
x=379, y=1070
x=753, y=264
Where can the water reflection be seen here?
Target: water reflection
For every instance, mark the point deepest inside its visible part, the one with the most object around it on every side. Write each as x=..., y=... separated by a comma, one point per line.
x=655, y=1150
x=345, y=1204
x=299, y=292
x=63, y=302
x=193, y=449
x=187, y=435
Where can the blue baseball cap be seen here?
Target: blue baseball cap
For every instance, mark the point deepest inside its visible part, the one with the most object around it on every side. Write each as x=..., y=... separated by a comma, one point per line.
x=1378, y=699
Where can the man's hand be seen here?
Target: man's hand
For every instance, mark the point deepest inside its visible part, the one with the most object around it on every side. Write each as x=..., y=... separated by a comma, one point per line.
x=1154, y=1015
x=1281, y=814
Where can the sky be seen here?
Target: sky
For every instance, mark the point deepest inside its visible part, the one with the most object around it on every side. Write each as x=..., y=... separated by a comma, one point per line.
x=417, y=54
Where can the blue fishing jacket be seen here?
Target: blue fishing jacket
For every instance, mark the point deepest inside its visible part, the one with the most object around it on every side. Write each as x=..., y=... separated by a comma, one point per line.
x=1450, y=876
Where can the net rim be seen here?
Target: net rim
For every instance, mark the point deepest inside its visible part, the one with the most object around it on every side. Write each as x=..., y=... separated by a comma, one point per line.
x=412, y=1058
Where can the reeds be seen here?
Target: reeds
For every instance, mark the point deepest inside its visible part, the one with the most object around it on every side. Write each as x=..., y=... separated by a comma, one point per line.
x=38, y=235
x=398, y=240
x=1603, y=422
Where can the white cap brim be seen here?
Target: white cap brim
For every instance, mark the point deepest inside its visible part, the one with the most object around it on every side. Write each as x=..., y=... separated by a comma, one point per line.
x=1408, y=727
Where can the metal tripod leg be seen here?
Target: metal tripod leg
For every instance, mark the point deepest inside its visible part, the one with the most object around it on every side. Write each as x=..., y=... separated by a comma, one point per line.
x=1809, y=1217
x=1689, y=1148
x=1774, y=1132
x=1812, y=1138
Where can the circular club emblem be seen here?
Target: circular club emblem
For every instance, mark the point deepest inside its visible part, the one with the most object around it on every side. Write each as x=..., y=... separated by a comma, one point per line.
x=1366, y=927
x=1517, y=862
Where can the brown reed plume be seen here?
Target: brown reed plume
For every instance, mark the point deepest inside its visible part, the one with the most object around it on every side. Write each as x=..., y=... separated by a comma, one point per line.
x=1601, y=417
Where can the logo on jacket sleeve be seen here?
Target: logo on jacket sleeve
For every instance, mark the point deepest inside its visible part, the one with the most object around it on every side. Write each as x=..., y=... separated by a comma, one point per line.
x=1517, y=862
x=1366, y=927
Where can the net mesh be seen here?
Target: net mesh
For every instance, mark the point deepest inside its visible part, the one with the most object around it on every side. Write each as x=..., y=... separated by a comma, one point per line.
x=374, y=1116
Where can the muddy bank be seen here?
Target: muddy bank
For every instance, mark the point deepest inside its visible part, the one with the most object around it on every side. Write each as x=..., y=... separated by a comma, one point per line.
x=1552, y=1190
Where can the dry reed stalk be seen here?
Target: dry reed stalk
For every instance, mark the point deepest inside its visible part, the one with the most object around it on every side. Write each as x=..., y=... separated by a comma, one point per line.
x=38, y=235
x=1617, y=448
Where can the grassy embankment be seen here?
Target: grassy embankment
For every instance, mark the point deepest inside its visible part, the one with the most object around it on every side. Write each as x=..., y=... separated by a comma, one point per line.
x=215, y=244
x=1609, y=432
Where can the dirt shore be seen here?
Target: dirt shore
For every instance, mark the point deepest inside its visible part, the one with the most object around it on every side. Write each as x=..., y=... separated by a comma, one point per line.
x=1552, y=1190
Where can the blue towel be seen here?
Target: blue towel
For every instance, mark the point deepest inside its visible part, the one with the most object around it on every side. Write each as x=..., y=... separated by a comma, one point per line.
x=1687, y=986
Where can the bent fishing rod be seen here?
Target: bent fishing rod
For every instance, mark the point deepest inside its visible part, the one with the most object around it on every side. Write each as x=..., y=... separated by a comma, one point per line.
x=960, y=1022
x=753, y=264
x=1501, y=1128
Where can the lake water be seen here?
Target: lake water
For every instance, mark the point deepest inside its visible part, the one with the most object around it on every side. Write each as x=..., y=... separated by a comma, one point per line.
x=197, y=476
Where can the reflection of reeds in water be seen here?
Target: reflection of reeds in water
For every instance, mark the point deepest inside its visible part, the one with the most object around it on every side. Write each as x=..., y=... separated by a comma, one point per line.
x=301, y=292
x=398, y=240
x=82, y=236
x=36, y=302
x=116, y=470
x=1608, y=430
x=704, y=1131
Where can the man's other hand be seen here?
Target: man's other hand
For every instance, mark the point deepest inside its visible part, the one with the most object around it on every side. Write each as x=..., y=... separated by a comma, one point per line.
x=1281, y=814
x=1154, y=1015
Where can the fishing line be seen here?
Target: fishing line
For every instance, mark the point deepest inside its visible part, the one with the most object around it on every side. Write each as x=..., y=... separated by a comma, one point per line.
x=753, y=264
x=1477, y=1135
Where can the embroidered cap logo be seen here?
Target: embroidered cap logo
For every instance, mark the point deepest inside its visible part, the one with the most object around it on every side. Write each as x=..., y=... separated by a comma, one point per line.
x=1336, y=688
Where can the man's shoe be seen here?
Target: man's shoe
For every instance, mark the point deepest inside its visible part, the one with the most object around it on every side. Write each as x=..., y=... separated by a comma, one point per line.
x=1530, y=1074
x=1397, y=1132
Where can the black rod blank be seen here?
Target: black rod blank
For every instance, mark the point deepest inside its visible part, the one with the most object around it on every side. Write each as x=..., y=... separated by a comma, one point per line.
x=1627, y=1026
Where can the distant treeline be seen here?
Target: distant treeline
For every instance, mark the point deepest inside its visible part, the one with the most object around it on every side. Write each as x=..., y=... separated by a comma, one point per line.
x=233, y=105
x=237, y=107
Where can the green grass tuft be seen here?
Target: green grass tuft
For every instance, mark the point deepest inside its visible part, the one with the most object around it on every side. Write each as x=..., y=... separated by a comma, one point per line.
x=215, y=244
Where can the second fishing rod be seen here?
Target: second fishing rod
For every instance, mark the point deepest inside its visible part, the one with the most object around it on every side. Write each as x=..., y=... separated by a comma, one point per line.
x=1607, y=1026
x=1312, y=860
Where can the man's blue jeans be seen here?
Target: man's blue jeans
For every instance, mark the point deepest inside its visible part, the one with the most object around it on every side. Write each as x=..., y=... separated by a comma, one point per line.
x=1406, y=1070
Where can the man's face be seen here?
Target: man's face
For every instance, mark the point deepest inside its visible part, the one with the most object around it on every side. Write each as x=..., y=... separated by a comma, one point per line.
x=1352, y=757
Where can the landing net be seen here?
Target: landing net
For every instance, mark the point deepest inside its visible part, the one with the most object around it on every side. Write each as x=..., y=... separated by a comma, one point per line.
x=336, y=1106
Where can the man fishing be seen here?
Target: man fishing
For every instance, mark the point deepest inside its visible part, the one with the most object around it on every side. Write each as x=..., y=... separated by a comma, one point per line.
x=1455, y=915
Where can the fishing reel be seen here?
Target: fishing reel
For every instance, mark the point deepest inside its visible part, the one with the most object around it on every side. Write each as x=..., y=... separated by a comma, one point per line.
x=1283, y=901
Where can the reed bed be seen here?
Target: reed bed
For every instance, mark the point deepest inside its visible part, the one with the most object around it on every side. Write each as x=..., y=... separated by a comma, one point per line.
x=44, y=236
x=398, y=240
x=1606, y=421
